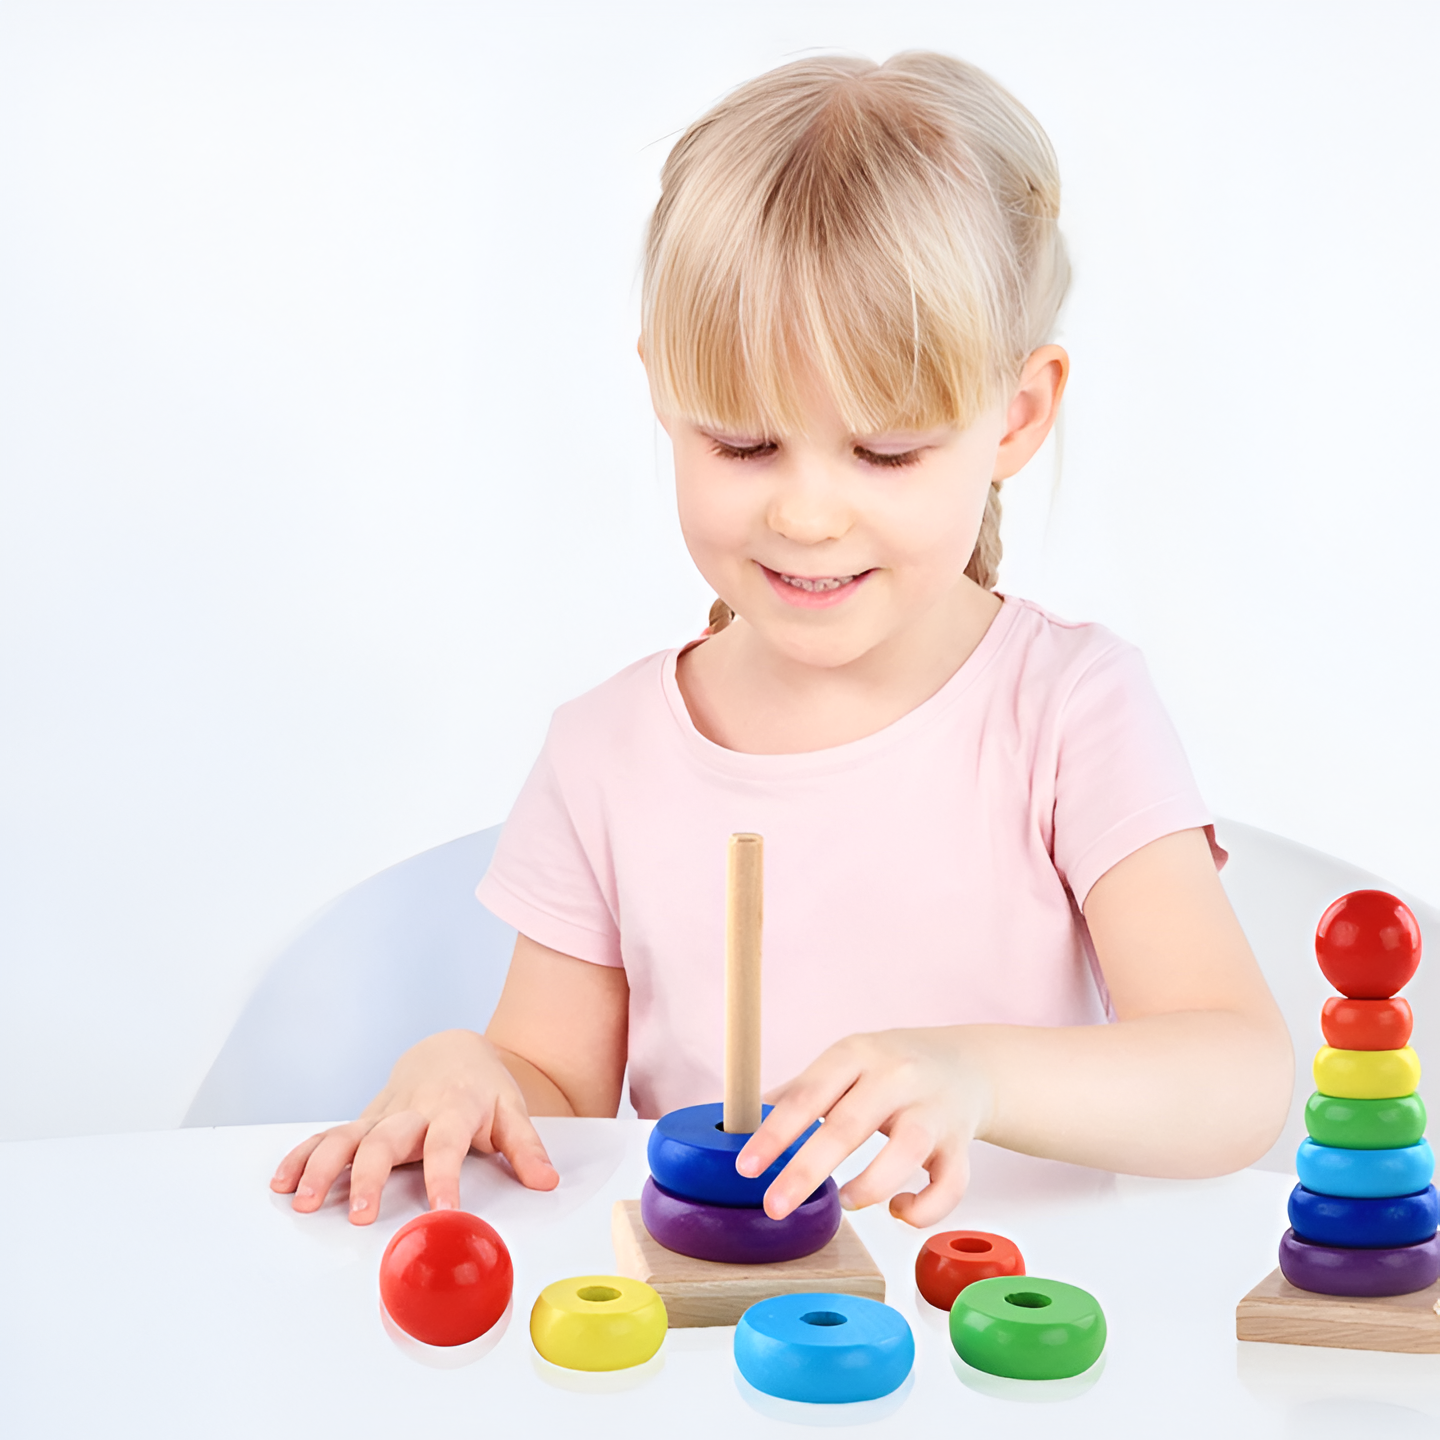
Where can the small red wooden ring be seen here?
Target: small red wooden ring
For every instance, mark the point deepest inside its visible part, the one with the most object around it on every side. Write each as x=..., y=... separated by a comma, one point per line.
x=950, y=1261
x=1367, y=1024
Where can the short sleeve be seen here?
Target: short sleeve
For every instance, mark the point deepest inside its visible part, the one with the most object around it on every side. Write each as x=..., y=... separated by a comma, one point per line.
x=1122, y=777
x=545, y=880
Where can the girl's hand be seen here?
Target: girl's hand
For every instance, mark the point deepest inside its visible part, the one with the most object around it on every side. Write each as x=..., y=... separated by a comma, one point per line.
x=916, y=1086
x=445, y=1096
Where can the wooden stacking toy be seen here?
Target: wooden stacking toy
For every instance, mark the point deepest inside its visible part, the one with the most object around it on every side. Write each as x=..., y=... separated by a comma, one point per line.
x=1027, y=1328
x=827, y=1349
x=699, y=1234
x=953, y=1259
x=597, y=1322
x=446, y=1277
x=1360, y=1263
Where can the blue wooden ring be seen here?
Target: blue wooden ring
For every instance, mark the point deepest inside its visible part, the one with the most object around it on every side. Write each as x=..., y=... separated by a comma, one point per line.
x=691, y=1156
x=1364, y=1174
x=738, y=1235
x=823, y=1348
x=1333, y=1270
x=1379, y=1224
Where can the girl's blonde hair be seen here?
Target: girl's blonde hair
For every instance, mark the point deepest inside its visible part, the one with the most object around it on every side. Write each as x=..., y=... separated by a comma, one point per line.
x=890, y=229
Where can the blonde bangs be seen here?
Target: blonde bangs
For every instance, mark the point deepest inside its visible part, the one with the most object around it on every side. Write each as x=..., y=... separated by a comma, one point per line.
x=844, y=223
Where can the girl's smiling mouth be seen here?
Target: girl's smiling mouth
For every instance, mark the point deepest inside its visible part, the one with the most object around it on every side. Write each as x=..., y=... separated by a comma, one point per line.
x=812, y=592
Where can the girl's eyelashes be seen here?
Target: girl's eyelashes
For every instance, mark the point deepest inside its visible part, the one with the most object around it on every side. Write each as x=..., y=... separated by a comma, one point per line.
x=760, y=449
x=888, y=461
x=743, y=449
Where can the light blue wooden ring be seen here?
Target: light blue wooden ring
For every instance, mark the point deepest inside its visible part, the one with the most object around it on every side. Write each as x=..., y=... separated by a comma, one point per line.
x=824, y=1348
x=1364, y=1174
x=691, y=1155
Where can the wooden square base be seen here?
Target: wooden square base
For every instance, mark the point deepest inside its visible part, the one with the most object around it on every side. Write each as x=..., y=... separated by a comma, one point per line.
x=703, y=1292
x=1275, y=1310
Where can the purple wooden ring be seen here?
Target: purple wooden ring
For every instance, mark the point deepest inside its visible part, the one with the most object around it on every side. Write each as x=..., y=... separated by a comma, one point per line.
x=1333, y=1270
x=739, y=1235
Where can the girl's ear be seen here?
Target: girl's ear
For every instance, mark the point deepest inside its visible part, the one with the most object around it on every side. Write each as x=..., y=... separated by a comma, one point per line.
x=1033, y=408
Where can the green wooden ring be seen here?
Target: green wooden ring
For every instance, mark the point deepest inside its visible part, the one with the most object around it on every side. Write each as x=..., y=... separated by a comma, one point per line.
x=1027, y=1328
x=1365, y=1124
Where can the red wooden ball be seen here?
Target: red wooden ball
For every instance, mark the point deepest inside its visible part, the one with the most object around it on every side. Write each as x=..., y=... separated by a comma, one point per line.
x=1366, y=1024
x=1368, y=944
x=950, y=1261
x=446, y=1277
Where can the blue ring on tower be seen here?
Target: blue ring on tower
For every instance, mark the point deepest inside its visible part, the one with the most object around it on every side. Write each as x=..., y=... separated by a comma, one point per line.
x=1377, y=1224
x=1364, y=1174
x=691, y=1156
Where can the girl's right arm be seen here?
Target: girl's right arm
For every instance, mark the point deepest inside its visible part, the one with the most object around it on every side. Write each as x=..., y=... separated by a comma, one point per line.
x=555, y=1046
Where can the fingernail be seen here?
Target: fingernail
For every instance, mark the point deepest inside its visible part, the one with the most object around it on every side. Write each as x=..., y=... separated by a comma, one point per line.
x=747, y=1167
x=847, y=1202
x=305, y=1192
x=443, y=1203
x=360, y=1203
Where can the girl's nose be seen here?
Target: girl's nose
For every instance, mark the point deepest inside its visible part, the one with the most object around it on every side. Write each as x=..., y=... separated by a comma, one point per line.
x=809, y=510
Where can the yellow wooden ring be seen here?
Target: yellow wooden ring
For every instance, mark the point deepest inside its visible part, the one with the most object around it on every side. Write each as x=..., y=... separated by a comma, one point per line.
x=598, y=1322
x=1366, y=1074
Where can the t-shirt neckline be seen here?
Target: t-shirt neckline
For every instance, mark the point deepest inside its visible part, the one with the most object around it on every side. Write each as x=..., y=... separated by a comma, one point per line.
x=742, y=762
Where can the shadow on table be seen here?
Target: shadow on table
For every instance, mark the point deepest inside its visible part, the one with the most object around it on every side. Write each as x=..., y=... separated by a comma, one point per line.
x=800, y=1412
x=447, y=1357
x=1349, y=1393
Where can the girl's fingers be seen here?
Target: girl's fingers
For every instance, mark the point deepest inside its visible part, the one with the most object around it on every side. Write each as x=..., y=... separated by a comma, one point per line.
x=395, y=1140
x=949, y=1177
x=287, y=1172
x=909, y=1146
x=847, y=1127
x=327, y=1160
x=512, y=1134
x=447, y=1143
x=813, y=1093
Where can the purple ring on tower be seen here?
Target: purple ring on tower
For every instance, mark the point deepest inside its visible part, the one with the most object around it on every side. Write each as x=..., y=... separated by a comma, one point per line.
x=1336, y=1270
x=735, y=1235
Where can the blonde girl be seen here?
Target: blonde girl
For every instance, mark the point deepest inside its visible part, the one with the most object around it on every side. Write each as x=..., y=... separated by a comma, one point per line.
x=992, y=903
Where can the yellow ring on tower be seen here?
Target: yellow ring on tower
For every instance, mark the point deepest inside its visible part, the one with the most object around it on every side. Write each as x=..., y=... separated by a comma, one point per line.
x=1366, y=1074
x=598, y=1322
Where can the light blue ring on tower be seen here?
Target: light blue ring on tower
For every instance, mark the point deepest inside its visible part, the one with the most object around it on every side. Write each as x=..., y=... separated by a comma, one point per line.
x=823, y=1348
x=1364, y=1174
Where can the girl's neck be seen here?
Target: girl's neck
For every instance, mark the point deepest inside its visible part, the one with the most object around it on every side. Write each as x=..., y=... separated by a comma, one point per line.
x=744, y=694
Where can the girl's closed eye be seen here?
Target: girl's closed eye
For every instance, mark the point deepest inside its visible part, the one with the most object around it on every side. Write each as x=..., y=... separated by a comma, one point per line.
x=736, y=449
x=889, y=459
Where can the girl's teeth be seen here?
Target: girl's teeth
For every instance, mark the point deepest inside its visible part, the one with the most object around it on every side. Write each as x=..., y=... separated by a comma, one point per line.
x=830, y=582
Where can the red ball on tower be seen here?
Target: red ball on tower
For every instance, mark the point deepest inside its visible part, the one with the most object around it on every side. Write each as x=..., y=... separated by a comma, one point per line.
x=446, y=1277
x=1368, y=944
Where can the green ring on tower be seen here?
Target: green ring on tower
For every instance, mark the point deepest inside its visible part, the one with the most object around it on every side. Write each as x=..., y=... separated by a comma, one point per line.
x=1365, y=1124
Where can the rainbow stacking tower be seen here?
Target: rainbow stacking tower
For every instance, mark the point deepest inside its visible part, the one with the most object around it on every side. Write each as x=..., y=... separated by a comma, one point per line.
x=1363, y=1217
x=699, y=1235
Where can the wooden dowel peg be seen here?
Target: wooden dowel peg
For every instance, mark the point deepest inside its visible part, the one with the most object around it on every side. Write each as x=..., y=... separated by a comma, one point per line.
x=744, y=918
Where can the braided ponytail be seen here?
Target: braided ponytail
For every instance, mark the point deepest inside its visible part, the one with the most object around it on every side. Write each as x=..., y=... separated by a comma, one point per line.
x=984, y=566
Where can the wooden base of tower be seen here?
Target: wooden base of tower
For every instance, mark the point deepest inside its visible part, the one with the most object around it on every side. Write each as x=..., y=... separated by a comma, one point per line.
x=702, y=1292
x=1275, y=1310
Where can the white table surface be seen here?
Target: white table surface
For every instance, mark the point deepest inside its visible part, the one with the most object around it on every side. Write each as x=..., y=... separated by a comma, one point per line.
x=152, y=1286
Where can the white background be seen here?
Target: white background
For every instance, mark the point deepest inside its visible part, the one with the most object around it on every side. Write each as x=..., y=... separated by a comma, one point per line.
x=328, y=466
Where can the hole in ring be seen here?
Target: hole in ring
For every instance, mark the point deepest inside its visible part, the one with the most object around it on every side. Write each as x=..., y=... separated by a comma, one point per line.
x=823, y=1317
x=1028, y=1300
x=971, y=1245
x=598, y=1293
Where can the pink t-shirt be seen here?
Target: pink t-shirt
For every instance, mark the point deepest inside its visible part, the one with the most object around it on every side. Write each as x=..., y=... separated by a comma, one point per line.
x=929, y=874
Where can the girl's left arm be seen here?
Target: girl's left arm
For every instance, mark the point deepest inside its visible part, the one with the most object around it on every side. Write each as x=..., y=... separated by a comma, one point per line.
x=1193, y=1079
